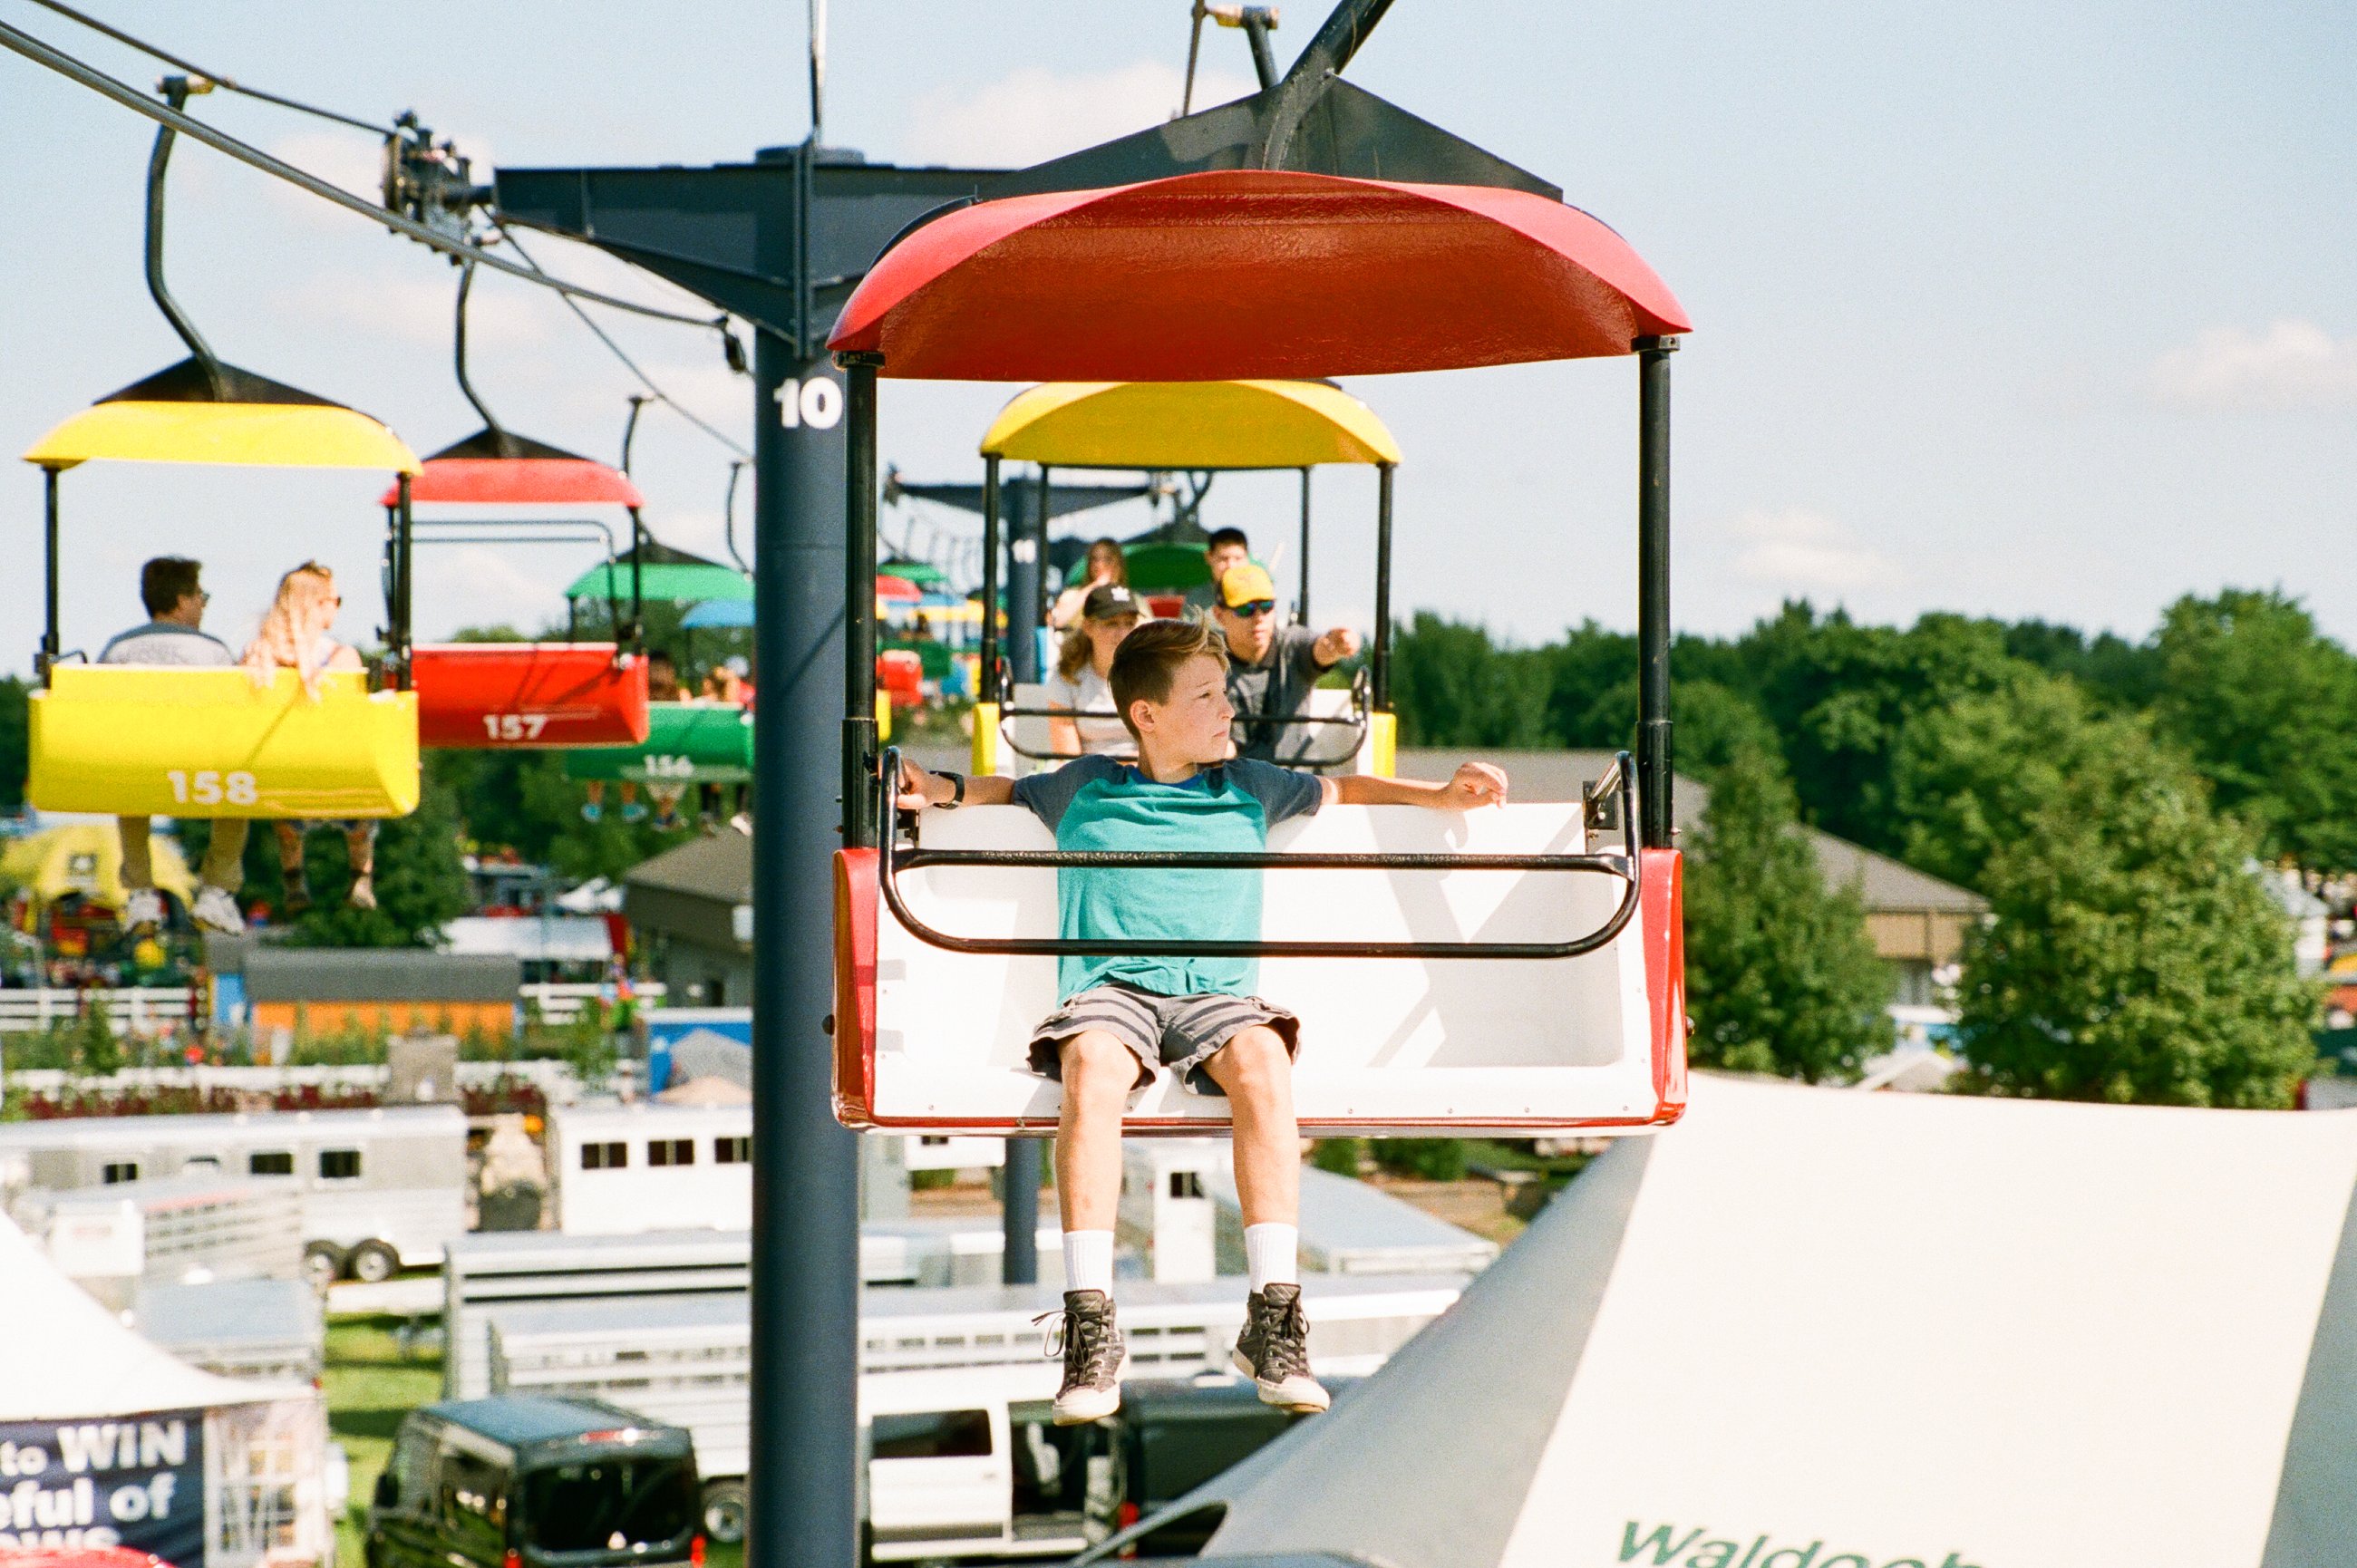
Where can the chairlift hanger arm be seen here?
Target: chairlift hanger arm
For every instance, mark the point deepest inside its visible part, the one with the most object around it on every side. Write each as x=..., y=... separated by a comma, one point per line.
x=42, y=54
x=175, y=89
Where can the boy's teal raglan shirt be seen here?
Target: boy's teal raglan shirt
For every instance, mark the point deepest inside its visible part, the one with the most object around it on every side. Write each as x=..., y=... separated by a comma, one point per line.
x=1096, y=803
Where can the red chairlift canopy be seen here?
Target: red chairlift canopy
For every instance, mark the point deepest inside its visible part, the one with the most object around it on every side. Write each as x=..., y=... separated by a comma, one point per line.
x=1251, y=273
x=500, y=468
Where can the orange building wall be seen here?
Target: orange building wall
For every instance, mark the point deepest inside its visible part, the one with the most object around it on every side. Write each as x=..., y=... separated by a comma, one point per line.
x=394, y=1017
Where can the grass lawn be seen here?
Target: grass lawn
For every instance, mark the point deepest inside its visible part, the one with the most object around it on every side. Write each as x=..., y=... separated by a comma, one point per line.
x=370, y=1388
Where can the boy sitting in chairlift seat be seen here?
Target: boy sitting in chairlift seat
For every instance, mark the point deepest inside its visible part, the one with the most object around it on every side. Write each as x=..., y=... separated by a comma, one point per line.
x=1122, y=1019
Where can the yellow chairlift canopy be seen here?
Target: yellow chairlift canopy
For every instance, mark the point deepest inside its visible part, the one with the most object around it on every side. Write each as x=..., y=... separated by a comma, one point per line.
x=178, y=416
x=1189, y=424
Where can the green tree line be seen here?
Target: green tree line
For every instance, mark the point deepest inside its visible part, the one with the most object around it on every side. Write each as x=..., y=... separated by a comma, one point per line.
x=2112, y=800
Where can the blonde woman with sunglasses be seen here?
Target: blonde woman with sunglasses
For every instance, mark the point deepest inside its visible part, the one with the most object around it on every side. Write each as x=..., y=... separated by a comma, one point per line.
x=295, y=635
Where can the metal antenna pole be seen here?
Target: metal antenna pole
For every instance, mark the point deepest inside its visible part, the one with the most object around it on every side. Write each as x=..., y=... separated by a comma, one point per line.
x=818, y=70
x=1194, y=47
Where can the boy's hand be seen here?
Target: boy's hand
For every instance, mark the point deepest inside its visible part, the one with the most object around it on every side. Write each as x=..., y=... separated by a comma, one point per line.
x=920, y=789
x=1474, y=784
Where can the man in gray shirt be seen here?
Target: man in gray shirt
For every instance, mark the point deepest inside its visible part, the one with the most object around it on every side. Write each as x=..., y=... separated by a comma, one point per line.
x=1272, y=669
x=176, y=611
x=1226, y=547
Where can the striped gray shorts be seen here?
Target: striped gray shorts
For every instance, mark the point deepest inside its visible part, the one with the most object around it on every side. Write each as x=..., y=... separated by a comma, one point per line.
x=1180, y=1032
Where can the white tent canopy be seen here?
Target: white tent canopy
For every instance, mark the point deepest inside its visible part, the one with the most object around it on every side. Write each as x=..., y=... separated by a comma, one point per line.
x=1813, y=1328
x=63, y=1355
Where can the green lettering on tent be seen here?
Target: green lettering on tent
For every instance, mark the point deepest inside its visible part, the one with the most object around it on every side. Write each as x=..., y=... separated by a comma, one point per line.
x=1658, y=1541
x=1722, y=1553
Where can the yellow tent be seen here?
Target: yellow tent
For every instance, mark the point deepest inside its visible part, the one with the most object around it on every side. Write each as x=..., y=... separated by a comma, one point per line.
x=87, y=858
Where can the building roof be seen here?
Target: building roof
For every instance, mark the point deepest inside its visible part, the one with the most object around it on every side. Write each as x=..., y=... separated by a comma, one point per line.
x=187, y=1318
x=378, y=974
x=1886, y=885
x=692, y=892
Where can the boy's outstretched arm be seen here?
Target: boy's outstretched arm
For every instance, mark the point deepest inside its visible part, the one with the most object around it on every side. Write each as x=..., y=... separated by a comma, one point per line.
x=920, y=789
x=1474, y=784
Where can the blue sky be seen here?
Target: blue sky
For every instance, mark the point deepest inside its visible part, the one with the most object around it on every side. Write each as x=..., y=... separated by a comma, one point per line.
x=2027, y=310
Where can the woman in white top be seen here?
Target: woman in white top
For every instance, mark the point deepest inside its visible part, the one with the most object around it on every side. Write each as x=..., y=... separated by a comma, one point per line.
x=295, y=635
x=1078, y=686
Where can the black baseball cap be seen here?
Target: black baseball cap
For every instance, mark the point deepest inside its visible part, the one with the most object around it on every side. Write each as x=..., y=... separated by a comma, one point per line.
x=1109, y=601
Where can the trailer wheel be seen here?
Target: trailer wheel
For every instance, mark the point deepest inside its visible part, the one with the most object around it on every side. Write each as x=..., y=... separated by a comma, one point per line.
x=323, y=1263
x=723, y=1512
x=373, y=1262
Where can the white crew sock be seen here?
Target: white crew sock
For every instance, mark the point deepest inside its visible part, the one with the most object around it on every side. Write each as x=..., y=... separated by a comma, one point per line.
x=1270, y=1252
x=1088, y=1261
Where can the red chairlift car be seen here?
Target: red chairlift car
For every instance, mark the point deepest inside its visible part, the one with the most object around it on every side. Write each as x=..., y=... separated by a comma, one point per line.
x=498, y=696
x=1517, y=970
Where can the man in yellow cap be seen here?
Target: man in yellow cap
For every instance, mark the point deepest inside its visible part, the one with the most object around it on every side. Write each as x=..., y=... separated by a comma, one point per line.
x=1272, y=669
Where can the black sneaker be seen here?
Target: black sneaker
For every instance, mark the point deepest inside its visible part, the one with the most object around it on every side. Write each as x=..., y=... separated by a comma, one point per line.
x=1085, y=1335
x=1274, y=1350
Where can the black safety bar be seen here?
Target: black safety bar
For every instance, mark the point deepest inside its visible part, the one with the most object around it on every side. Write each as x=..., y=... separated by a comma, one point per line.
x=892, y=859
x=1356, y=719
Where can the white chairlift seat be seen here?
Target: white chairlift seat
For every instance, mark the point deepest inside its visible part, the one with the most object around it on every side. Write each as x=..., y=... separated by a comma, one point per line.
x=929, y=1040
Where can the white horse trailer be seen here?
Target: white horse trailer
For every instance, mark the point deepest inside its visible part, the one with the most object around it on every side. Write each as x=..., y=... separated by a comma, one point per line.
x=112, y=1240
x=381, y=1188
x=687, y=1360
x=493, y=1272
x=622, y=1170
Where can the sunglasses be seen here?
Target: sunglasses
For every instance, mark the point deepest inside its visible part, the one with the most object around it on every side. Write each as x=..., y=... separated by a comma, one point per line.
x=1253, y=608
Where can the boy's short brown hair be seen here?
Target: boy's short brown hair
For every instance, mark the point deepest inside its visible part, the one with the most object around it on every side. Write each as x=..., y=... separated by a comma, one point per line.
x=1150, y=658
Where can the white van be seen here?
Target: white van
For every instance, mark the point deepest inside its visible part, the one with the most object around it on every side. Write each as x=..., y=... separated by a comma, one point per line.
x=967, y=1462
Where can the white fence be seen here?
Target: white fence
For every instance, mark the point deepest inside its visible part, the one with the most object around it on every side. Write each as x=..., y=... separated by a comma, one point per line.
x=562, y=1002
x=137, y=1010
x=554, y=1079
x=148, y=1010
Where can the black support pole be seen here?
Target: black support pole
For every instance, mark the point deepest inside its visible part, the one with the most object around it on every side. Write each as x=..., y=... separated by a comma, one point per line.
x=1653, y=589
x=405, y=549
x=1020, y=1209
x=1023, y=566
x=1040, y=573
x=1301, y=606
x=803, y=1474
x=1379, y=661
x=51, y=644
x=986, y=688
x=861, y=822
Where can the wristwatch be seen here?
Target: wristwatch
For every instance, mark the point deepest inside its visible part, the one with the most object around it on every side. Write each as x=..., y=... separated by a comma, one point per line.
x=957, y=793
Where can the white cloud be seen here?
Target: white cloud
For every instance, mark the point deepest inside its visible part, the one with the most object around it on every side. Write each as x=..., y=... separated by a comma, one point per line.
x=2293, y=364
x=1035, y=113
x=475, y=585
x=1799, y=551
x=343, y=158
x=411, y=307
